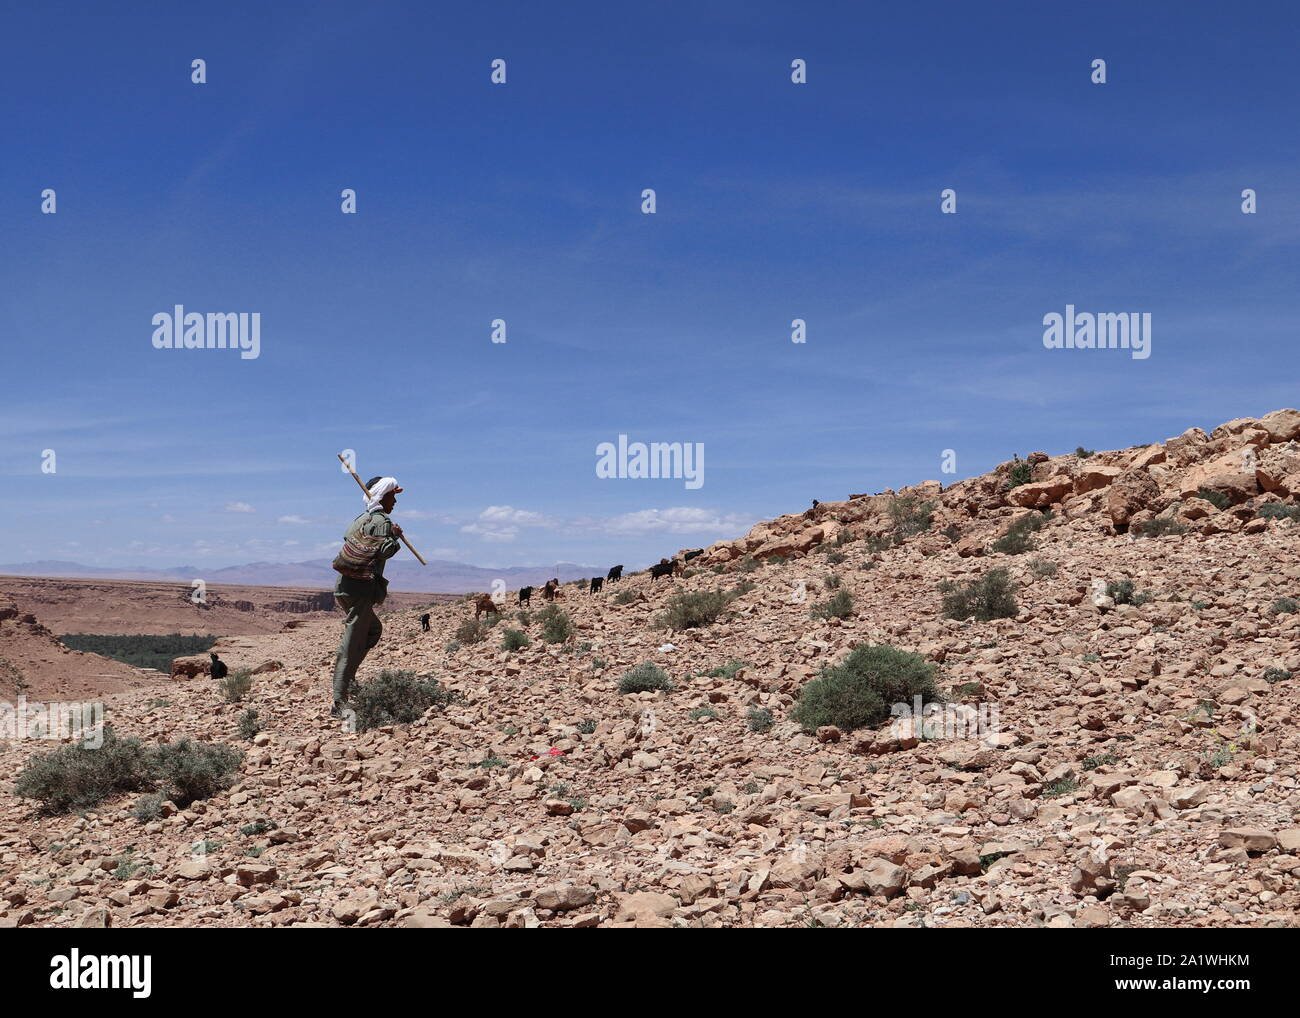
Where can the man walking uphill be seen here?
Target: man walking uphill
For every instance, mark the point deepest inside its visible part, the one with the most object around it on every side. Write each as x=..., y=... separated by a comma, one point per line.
x=371, y=540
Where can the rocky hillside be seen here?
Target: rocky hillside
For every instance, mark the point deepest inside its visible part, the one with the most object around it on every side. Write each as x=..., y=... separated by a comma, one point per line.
x=1143, y=772
x=35, y=665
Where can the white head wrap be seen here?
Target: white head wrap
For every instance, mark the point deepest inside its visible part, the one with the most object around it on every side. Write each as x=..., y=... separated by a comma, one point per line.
x=378, y=490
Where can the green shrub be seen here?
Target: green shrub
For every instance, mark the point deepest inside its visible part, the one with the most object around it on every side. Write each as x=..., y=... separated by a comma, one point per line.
x=188, y=771
x=625, y=597
x=1159, y=527
x=1285, y=606
x=1017, y=539
x=694, y=610
x=1083, y=453
x=831, y=581
x=1270, y=511
x=235, y=686
x=557, y=627
x=451, y=646
x=910, y=515
x=645, y=677
x=248, y=725
x=149, y=807
x=836, y=557
x=1216, y=498
x=760, y=719
x=860, y=690
x=840, y=606
x=514, y=639
x=470, y=631
x=700, y=713
x=992, y=596
x=1121, y=591
x=1276, y=675
x=727, y=671
x=1041, y=567
x=952, y=532
x=396, y=698
x=1020, y=473
x=525, y=618
x=76, y=777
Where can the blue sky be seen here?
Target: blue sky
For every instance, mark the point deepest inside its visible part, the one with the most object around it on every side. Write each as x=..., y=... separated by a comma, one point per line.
x=522, y=202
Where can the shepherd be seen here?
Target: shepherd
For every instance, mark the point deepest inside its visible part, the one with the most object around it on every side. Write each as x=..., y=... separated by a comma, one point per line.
x=371, y=540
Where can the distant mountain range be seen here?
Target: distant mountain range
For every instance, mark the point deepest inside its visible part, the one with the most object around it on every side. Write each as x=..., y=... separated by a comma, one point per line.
x=438, y=577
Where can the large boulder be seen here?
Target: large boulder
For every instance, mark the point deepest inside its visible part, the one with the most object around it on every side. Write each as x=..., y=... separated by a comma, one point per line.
x=1281, y=425
x=1090, y=478
x=1131, y=492
x=1041, y=494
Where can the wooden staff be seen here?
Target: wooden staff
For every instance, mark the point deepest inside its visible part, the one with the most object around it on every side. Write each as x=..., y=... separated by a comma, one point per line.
x=362, y=485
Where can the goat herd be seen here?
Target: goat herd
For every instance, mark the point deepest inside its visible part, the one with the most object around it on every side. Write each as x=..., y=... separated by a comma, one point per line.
x=665, y=567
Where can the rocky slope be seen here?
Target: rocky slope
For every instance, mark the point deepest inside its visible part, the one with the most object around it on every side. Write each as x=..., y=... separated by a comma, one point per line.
x=1145, y=770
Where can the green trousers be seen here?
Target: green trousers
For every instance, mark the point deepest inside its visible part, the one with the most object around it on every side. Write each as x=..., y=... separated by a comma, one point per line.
x=361, y=631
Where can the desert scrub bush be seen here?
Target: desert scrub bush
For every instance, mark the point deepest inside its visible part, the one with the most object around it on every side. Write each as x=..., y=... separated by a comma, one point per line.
x=1083, y=453
x=525, y=618
x=831, y=581
x=644, y=678
x=1159, y=527
x=557, y=627
x=1018, y=540
x=188, y=771
x=76, y=777
x=1020, y=473
x=470, y=631
x=148, y=807
x=451, y=646
x=702, y=713
x=992, y=596
x=840, y=606
x=760, y=719
x=836, y=557
x=586, y=726
x=877, y=543
x=748, y=564
x=1122, y=592
x=859, y=691
x=910, y=515
x=249, y=726
x=694, y=610
x=625, y=597
x=235, y=686
x=1277, y=511
x=1276, y=675
x=1285, y=606
x=952, y=532
x=396, y=698
x=727, y=671
x=1042, y=567
x=514, y=639
x=742, y=588
x=1216, y=498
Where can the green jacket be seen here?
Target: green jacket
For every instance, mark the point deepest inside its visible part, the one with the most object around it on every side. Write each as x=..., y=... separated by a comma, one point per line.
x=372, y=524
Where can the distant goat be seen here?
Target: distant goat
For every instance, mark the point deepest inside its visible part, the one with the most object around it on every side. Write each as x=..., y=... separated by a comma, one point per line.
x=615, y=574
x=692, y=554
x=549, y=589
x=485, y=604
x=525, y=594
x=218, y=667
x=596, y=584
x=424, y=622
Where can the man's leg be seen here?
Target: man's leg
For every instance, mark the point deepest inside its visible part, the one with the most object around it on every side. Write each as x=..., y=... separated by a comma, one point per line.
x=361, y=630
